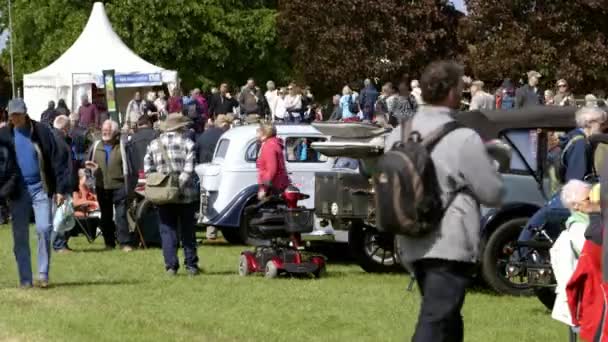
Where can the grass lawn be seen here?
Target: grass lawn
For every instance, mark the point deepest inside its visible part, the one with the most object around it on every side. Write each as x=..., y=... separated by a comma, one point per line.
x=113, y=296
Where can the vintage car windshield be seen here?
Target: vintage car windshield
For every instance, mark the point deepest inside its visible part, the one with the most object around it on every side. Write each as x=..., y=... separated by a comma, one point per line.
x=526, y=142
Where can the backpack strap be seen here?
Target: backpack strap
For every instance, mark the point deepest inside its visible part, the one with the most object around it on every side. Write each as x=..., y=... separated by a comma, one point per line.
x=435, y=136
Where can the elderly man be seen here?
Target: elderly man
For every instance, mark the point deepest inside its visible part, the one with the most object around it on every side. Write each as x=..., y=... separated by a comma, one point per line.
x=479, y=98
x=88, y=114
x=271, y=98
x=563, y=97
x=222, y=102
x=251, y=100
x=530, y=94
x=180, y=214
x=110, y=164
x=369, y=96
x=135, y=109
x=139, y=142
x=577, y=164
x=61, y=128
x=43, y=173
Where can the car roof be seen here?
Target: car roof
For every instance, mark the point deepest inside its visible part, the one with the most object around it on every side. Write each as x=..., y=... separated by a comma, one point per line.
x=490, y=123
x=248, y=131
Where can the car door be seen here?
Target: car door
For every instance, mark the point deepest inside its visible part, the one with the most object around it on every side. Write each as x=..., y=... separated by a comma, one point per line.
x=302, y=162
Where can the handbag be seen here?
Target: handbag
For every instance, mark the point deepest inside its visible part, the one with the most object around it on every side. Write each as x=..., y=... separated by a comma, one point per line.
x=163, y=188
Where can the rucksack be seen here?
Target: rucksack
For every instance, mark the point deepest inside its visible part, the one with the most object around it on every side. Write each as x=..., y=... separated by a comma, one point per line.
x=410, y=203
x=507, y=99
x=353, y=106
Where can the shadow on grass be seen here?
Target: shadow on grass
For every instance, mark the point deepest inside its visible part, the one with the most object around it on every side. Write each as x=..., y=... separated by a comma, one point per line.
x=94, y=283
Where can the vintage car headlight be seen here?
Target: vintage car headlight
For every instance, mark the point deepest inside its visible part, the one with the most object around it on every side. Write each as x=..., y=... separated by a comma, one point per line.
x=335, y=209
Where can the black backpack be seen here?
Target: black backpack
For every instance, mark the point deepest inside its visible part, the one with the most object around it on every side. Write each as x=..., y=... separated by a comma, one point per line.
x=408, y=194
x=353, y=106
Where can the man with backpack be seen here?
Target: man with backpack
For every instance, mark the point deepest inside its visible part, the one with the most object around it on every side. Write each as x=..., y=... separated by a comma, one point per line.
x=437, y=217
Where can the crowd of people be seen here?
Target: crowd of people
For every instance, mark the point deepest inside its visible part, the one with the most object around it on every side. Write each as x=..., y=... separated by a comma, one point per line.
x=44, y=163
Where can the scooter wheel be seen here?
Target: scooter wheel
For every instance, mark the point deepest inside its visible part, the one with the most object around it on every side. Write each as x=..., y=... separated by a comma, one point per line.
x=321, y=272
x=271, y=270
x=244, y=266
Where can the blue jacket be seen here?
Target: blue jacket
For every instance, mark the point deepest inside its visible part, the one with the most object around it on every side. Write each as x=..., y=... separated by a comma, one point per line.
x=369, y=96
x=577, y=158
x=55, y=174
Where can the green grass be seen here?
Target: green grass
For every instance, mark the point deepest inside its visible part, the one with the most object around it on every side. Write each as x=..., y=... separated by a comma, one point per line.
x=112, y=296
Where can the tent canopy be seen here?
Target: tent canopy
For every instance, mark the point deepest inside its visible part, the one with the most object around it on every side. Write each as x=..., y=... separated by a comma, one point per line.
x=97, y=48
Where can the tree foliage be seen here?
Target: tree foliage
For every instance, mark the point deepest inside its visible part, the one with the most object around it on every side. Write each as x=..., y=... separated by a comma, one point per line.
x=335, y=42
x=206, y=41
x=560, y=39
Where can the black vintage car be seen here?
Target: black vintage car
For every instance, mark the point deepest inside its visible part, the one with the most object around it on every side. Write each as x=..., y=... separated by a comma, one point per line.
x=345, y=197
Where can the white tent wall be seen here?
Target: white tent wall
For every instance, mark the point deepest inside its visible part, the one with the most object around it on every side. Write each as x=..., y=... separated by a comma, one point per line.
x=37, y=100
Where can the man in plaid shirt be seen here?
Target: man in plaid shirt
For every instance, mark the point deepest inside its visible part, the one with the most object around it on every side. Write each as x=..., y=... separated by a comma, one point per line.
x=180, y=157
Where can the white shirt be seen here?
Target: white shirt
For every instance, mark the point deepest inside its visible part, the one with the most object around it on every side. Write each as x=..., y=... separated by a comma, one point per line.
x=293, y=103
x=271, y=98
x=280, y=109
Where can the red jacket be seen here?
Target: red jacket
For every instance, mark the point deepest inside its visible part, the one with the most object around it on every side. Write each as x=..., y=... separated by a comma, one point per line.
x=585, y=295
x=272, y=173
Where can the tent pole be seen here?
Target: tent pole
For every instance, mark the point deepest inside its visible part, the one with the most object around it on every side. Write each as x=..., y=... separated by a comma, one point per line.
x=10, y=27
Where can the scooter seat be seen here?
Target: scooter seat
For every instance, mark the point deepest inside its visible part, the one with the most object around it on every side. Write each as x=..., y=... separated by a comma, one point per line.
x=272, y=231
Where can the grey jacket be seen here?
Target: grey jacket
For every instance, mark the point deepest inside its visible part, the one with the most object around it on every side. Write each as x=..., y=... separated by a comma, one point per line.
x=460, y=159
x=527, y=96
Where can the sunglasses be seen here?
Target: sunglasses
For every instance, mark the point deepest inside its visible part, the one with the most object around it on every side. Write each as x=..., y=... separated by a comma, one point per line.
x=562, y=85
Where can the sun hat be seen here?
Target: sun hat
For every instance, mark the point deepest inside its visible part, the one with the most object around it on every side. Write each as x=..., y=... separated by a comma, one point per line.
x=174, y=122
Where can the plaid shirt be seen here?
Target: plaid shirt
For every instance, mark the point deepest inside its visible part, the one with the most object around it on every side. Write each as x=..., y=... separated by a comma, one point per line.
x=180, y=151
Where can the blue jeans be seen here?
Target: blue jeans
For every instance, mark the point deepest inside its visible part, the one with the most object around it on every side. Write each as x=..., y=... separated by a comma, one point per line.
x=552, y=215
x=172, y=215
x=34, y=197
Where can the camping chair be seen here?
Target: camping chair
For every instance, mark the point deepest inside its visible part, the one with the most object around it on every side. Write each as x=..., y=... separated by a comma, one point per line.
x=85, y=224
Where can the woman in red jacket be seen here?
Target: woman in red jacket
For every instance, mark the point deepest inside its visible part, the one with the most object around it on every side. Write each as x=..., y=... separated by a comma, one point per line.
x=272, y=173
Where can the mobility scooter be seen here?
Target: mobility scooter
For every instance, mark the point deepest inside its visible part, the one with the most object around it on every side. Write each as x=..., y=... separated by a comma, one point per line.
x=279, y=220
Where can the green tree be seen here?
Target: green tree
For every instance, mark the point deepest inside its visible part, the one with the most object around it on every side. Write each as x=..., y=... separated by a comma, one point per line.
x=335, y=42
x=559, y=39
x=206, y=41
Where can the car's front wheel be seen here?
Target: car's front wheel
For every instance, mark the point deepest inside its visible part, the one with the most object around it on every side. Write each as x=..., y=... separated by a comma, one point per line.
x=499, y=253
x=374, y=251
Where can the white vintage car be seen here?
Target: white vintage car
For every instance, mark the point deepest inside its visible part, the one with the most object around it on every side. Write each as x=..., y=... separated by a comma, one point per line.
x=229, y=182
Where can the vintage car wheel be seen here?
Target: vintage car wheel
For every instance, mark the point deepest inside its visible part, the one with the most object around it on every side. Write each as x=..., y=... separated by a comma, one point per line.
x=496, y=256
x=546, y=295
x=373, y=250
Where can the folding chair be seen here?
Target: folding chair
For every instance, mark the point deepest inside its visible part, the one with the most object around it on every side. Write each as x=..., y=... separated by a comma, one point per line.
x=86, y=229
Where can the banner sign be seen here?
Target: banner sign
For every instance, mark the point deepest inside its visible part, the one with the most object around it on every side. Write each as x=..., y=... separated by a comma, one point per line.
x=138, y=79
x=109, y=83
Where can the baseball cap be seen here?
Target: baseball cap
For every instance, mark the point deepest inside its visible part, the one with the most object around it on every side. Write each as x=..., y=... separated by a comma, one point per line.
x=16, y=106
x=533, y=73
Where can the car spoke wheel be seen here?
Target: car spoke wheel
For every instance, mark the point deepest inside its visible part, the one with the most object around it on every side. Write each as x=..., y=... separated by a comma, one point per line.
x=373, y=250
x=499, y=252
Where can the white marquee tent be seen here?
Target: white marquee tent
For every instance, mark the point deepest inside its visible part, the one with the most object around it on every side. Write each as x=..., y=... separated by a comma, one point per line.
x=97, y=48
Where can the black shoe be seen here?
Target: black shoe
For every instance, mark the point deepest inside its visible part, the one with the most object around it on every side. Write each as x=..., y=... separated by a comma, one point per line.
x=193, y=271
x=171, y=272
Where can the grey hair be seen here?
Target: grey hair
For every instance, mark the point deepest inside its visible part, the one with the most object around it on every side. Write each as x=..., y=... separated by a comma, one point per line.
x=269, y=84
x=113, y=125
x=61, y=122
x=575, y=191
x=586, y=115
